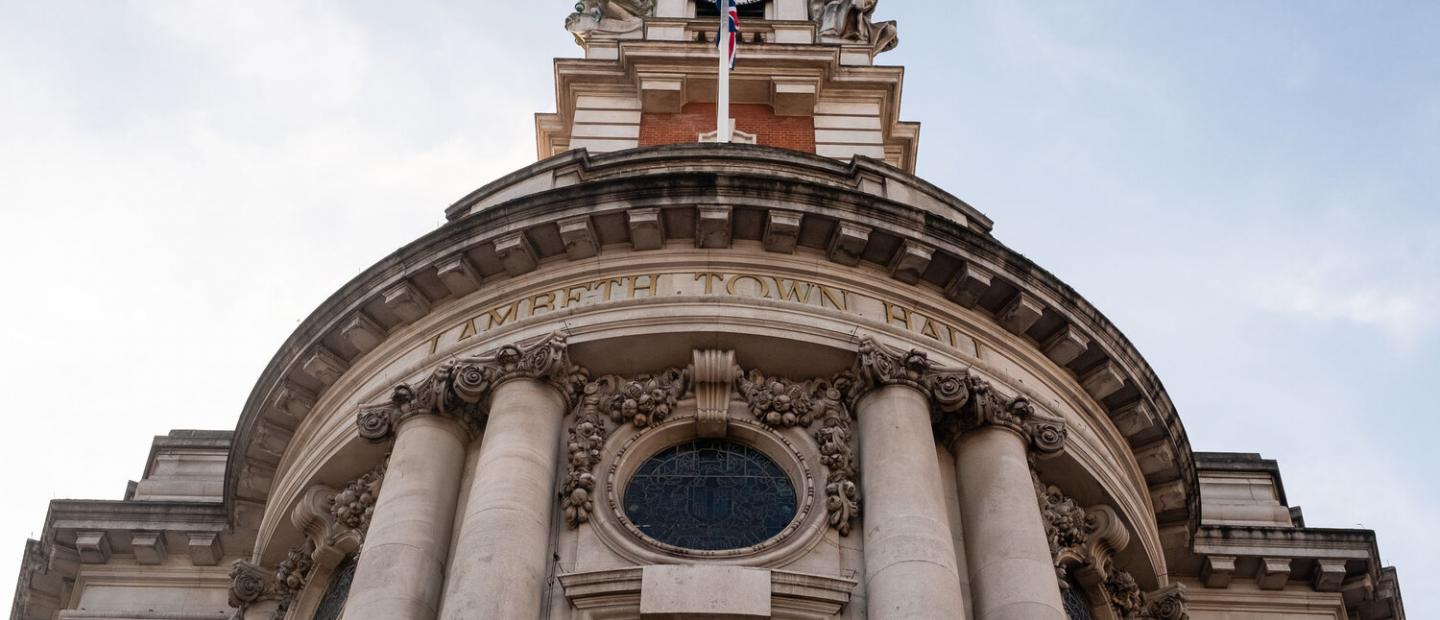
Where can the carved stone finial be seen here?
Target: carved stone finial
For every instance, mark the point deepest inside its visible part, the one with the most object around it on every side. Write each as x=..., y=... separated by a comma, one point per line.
x=852, y=21
x=461, y=389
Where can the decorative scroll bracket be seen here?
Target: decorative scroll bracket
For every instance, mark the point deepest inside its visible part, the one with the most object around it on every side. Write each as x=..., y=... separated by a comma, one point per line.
x=714, y=378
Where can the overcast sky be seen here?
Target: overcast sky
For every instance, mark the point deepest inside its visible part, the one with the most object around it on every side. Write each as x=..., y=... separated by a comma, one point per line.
x=1247, y=189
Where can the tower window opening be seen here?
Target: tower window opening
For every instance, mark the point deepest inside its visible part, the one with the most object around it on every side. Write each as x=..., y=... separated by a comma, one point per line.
x=753, y=9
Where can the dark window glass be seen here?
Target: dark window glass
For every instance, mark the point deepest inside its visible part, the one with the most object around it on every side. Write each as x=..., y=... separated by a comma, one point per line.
x=710, y=495
x=334, y=602
x=1077, y=606
x=754, y=9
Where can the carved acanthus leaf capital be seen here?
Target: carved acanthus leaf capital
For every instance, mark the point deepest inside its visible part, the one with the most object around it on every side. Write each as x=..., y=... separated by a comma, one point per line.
x=461, y=388
x=988, y=408
x=878, y=366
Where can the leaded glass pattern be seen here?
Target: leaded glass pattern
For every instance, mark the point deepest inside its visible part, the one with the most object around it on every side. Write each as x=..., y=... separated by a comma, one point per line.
x=710, y=495
x=334, y=602
x=1077, y=606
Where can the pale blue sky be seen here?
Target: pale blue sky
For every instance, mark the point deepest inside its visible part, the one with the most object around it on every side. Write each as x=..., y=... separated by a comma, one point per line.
x=1247, y=189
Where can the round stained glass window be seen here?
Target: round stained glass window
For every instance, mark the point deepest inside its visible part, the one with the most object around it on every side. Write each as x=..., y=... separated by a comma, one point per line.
x=710, y=495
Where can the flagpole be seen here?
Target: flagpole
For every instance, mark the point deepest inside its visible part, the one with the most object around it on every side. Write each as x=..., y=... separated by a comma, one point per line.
x=722, y=100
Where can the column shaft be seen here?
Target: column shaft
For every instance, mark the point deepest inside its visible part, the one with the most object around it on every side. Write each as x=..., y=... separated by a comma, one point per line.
x=1012, y=576
x=910, y=569
x=402, y=567
x=503, y=544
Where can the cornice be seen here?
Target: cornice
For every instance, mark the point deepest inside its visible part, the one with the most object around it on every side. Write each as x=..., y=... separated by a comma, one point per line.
x=916, y=246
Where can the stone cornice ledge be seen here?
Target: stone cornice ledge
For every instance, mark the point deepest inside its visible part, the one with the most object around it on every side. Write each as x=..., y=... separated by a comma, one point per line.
x=584, y=166
x=1291, y=542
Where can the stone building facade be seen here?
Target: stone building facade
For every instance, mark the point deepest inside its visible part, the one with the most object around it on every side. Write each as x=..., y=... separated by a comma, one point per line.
x=652, y=377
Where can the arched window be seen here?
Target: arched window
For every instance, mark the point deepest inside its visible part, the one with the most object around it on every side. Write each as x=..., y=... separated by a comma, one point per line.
x=749, y=9
x=334, y=602
x=1077, y=605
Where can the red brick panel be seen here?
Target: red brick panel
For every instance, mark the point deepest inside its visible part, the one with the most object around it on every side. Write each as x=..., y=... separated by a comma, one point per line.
x=787, y=132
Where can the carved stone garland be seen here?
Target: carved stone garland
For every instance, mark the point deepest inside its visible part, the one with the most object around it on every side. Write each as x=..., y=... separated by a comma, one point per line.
x=354, y=505
x=1086, y=540
x=645, y=401
x=461, y=388
x=334, y=523
x=784, y=403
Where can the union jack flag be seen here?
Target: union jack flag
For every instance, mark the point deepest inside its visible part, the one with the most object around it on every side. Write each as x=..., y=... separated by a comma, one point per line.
x=729, y=28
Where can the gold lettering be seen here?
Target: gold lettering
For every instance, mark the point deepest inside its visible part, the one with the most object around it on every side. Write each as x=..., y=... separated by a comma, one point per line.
x=468, y=331
x=609, y=285
x=653, y=287
x=710, y=278
x=574, y=294
x=435, y=342
x=544, y=301
x=502, y=314
x=896, y=312
x=763, y=288
x=954, y=336
x=929, y=329
x=793, y=290
x=841, y=303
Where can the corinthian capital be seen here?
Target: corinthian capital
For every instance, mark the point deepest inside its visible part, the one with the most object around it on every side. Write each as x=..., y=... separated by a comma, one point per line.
x=988, y=408
x=960, y=401
x=461, y=388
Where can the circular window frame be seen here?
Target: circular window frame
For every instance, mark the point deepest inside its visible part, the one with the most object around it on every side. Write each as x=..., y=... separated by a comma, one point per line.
x=802, y=533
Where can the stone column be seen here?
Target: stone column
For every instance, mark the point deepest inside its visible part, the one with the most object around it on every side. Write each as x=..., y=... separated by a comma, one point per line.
x=1012, y=575
x=910, y=569
x=503, y=547
x=402, y=569
x=910, y=564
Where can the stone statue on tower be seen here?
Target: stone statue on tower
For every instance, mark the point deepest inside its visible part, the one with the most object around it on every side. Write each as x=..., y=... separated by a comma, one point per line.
x=608, y=16
x=852, y=21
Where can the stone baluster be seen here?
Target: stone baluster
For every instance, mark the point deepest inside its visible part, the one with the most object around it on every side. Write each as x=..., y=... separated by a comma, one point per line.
x=502, y=545
x=910, y=564
x=1012, y=573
